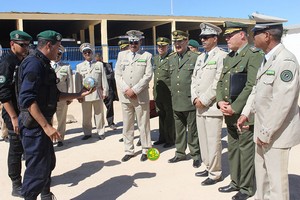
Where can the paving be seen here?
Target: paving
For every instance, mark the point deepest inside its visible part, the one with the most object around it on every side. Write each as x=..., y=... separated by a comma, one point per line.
x=92, y=169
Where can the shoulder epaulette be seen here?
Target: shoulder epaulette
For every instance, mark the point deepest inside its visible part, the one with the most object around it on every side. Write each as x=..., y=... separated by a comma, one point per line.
x=254, y=49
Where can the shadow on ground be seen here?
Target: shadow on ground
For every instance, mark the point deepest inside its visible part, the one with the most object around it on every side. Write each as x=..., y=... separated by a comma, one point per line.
x=73, y=177
x=113, y=187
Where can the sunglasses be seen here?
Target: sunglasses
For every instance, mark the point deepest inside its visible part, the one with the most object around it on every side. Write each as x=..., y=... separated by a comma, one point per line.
x=59, y=53
x=134, y=42
x=23, y=45
x=205, y=37
x=87, y=52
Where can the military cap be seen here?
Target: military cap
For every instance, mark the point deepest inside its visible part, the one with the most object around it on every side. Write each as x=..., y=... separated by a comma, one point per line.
x=179, y=35
x=194, y=43
x=163, y=41
x=231, y=27
x=50, y=35
x=85, y=46
x=134, y=35
x=61, y=49
x=123, y=43
x=209, y=29
x=264, y=22
x=19, y=35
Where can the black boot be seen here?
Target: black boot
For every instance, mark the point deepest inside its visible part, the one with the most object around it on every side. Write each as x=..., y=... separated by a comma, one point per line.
x=17, y=189
x=49, y=196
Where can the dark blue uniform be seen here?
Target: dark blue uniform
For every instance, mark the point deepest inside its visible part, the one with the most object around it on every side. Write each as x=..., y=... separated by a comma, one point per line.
x=38, y=83
x=8, y=66
x=112, y=93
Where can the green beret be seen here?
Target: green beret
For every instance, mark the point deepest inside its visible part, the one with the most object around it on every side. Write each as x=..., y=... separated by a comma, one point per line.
x=179, y=35
x=163, y=41
x=231, y=27
x=193, y=43
x=19, y=35
x=50, y=35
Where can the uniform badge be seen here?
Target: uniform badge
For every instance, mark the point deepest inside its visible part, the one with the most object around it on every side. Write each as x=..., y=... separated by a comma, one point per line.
x=17, y=36
x=270, y=72
x=286, y=75
x=2, y=79
x=212, y=62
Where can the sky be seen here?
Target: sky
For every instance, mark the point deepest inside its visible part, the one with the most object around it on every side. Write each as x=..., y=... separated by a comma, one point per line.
x=288, y=9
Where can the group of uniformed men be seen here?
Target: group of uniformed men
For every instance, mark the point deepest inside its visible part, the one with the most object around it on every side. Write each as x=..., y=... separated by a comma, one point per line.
x=192, y=93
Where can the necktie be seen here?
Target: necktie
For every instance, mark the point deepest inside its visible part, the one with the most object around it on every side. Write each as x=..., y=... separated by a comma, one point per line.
x=206, y=56
x=265, y=60
x=55, y=66
x=133, y=55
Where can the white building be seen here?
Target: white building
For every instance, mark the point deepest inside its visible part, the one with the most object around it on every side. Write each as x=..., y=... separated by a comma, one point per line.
x=292, y=40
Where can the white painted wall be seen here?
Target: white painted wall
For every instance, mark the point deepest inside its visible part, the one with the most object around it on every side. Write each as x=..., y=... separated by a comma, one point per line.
x=292, y=40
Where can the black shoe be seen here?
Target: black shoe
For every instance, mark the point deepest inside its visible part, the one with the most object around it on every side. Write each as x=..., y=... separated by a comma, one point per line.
x=101, y=137
x=121, y=140
x=144, y=157
x=113, y=127
x=49, y=196
x=227, y=188
x=86, y=137
x=60, y=144
x=16, y=191
x=176, y=159
x=139, y=143
x=196, y=163
x=210, y=181
x=167, y=145
x=158, y=142
x=127, y=157
x=202, y=173
x=240, y=196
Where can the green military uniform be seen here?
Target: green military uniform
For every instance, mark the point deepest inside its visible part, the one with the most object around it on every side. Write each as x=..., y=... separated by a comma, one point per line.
x=162, y=95
x=181, y=68
x=240, y=146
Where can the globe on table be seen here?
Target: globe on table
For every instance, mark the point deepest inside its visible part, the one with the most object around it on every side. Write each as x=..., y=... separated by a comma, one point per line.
x=89, y=82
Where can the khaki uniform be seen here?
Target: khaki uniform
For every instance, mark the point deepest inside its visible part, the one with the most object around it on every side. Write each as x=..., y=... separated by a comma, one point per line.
x=184, y=111
x=162, y=97
x=64, y=74
x=209, y=119
x=277, y=122
x=92, y=69
x=240, y=146
x=135, y=73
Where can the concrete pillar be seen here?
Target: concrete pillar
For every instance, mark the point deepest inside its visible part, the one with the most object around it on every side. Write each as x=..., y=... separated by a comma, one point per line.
x=19, y=23
x=173, y=28
x=82, y=36
x=92, y=34
x=154, y=38
x=104, y=40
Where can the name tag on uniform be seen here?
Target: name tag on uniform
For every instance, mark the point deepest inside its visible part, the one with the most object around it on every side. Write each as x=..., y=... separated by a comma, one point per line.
x=141, y=60
x=270, y=72
x=212, y=62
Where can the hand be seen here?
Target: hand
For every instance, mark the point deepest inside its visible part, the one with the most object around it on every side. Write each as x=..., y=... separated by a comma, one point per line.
x=260, y=143
x=14, y=121
x=104, y=96
x=240, y=123
x=84, y=92
x=52, y=133
x=226, y=108
x=198, y=103
x=130, y=93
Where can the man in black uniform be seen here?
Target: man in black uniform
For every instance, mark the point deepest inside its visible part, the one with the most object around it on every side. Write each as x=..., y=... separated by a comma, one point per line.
x=112, y=92
x=37, y=99
x=19, y=42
